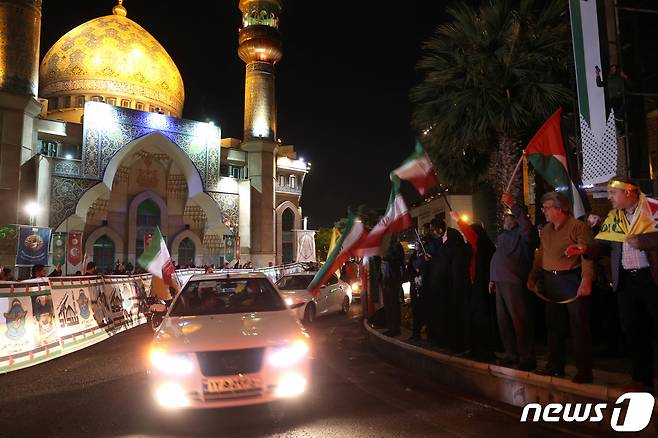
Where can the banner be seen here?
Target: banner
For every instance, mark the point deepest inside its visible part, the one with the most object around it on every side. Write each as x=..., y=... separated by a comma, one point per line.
x=41, y=320
x=59, y=249
x=32, y=246
x=597, y=131
x=229, y=248
x=75, y=248
x=305, y=245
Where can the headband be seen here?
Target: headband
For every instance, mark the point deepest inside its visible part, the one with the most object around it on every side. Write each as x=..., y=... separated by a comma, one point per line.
x=615, y=184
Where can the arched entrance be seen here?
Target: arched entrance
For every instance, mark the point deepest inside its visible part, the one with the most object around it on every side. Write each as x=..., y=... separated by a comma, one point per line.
x=104, y=253
x=287, y=224
x=186, y=252
x=148, y=217
x=288, y=218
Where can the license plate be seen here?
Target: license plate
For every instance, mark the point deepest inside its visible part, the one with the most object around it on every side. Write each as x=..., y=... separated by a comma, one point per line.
x=232, y=384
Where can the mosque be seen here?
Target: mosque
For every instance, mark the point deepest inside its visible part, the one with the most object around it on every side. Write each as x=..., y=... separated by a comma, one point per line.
x=94, y=135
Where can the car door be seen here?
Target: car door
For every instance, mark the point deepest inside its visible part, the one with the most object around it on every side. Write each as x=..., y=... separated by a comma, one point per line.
x=335, y=294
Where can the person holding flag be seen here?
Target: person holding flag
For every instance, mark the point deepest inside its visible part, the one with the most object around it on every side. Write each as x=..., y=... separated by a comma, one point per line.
x=157, y=261
x=629, y=235
x=509, y=268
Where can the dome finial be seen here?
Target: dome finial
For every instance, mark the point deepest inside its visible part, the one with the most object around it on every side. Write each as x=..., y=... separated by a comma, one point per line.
x=119, y=9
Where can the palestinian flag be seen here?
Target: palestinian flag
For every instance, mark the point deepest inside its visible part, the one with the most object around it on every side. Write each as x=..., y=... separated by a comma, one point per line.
x=352, y=237
x=418, y=170
x=395, y=219
x=546, y=154
x=157, y=261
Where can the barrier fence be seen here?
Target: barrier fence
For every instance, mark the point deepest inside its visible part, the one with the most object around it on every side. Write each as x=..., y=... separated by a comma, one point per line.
x=49, y=317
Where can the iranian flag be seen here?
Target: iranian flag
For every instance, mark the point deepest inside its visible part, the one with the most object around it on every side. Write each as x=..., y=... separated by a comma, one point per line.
x=546, y=154
x=418, y=170
x=157, y=261
x=352, y=237
x=395, y=219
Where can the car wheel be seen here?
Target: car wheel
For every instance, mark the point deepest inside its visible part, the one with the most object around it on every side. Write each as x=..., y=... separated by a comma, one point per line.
x=309, y=313
x=346, y=305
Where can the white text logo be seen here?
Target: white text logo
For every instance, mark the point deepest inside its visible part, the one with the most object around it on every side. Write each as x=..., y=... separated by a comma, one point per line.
x=638, y=414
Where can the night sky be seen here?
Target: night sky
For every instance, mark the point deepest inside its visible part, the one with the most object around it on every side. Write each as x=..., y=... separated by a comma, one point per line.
x=342, y=86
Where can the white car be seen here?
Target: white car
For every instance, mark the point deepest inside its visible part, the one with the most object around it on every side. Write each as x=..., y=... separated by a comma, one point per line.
x=228, y=340
x=334, y=296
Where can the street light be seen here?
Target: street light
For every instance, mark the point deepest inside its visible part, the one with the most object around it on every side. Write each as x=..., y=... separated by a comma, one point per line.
x=32, y=209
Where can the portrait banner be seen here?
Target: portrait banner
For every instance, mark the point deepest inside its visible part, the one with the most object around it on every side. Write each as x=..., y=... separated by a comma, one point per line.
x=46, y=331
x=16, y=325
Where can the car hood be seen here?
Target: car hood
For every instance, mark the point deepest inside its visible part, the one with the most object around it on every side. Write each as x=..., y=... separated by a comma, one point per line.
x=229, y=332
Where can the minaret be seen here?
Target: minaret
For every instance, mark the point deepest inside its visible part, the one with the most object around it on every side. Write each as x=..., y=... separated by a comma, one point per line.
x=260, y=49
x=20, y=27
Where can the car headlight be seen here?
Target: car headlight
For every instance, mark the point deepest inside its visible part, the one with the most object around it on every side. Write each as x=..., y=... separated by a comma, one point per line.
x=172, y=363
x=294, y=303
x=356, y=287
x=288, y=355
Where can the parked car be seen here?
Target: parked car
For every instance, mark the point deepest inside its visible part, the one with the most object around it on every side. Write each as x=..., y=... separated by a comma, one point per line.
x=228, y=340
x=334, y=296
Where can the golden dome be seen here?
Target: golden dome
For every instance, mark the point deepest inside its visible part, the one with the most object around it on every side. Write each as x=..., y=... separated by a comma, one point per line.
x=113, y=56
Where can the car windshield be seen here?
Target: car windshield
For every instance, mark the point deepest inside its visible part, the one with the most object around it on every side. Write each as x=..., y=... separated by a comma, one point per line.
x=294, y=282
x=224, y=296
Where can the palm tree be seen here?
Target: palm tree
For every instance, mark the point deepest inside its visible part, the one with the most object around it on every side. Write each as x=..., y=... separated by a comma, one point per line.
x=491, y=76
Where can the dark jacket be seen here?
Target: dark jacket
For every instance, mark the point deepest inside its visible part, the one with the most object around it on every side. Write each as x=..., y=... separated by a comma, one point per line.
x=442, y=254
x=648, y=243
x=515, y=250
x=392, y=263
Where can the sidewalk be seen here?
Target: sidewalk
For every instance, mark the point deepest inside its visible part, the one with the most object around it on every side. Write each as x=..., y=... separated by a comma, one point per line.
x=503, y=384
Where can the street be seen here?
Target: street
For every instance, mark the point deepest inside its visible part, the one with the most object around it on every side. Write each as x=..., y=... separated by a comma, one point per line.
x=102, y=391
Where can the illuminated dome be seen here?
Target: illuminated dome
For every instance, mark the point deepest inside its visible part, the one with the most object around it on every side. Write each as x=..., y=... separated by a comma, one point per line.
x=111, y=59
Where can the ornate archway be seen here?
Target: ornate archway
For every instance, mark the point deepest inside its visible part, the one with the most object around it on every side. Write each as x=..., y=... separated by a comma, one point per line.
x=280, y=209
x=157, y=139
x=132, y=218
x=109, y=232
x=199, y=249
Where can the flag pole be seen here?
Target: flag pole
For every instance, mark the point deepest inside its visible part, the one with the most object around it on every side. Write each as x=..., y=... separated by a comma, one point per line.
x=420, y=241
x=516, y=169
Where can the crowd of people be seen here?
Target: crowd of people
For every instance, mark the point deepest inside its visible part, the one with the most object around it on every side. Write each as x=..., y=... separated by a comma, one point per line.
x=474, y=296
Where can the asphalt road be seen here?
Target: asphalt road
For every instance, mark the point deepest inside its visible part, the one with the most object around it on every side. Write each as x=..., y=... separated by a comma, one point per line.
x=102, y=391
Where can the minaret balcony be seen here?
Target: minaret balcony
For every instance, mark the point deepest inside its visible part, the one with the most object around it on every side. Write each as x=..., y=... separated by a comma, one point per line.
x=285, y=188
x=260, y=43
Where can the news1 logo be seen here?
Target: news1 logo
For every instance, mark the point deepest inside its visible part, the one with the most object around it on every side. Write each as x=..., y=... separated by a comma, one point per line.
x=638, y=414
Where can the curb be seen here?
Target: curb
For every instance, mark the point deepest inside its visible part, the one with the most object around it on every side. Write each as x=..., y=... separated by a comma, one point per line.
x=507, y=385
